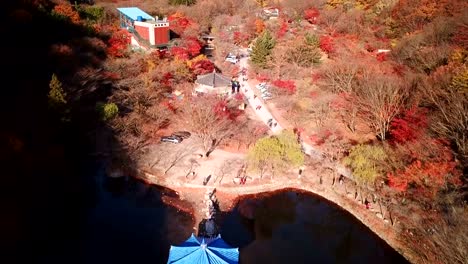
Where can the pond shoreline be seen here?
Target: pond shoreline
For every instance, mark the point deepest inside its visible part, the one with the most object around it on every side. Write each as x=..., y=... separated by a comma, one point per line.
x=229, y=196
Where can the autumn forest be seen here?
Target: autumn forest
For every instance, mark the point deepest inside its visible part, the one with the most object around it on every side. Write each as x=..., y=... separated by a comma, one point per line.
x=379, y=86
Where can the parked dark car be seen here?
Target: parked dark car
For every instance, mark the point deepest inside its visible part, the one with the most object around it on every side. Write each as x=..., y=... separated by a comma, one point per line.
x=182, y=134
x=172, y=139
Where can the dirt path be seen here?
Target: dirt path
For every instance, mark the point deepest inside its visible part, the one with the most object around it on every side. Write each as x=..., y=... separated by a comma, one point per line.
x=264, y=113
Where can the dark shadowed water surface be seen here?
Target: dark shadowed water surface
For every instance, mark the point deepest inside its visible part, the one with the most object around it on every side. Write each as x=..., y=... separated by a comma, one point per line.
x=127, y=222
x=289, y=227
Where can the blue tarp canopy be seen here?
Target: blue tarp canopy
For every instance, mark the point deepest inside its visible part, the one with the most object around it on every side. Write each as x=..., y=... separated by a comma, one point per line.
x=134, y=12
x=193, y=251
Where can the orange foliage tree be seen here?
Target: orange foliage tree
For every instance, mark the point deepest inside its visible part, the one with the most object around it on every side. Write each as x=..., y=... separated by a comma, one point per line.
x=259, y=26
x=430, y=168
x=66, y=10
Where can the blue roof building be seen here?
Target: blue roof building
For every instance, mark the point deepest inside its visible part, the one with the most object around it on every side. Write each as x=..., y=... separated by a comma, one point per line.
x=210, y=251
x=147, y=31
x=133, y=13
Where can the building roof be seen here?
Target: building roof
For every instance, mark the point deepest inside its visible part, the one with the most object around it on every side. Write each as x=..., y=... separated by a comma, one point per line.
x=134, y=12
x=194, y=251
x=214, y=80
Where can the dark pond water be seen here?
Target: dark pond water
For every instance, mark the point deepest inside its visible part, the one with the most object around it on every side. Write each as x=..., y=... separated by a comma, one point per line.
x=290, y=227
x=127, y=222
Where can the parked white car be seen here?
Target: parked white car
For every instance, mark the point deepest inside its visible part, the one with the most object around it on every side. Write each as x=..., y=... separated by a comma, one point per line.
x=232, y=58
x=264, y=90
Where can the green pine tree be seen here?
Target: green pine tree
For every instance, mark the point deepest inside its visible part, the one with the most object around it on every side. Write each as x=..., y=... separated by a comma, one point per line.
x=262, y=49
x=311, y=40
x=56, y=94
x=57, y=101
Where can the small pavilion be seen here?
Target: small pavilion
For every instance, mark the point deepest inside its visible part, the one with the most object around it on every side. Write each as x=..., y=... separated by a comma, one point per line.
x=203, y=251
x=213, y=83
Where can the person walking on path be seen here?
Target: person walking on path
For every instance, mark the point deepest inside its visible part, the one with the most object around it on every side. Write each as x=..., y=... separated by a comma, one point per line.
x=367, y=204
x=270, y=122
x=258, y=107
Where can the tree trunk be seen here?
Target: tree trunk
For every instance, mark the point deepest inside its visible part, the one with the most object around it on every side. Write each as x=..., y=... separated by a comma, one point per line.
x=213, y=146
x=170, y=167
x=380, y=206
x=392, y=220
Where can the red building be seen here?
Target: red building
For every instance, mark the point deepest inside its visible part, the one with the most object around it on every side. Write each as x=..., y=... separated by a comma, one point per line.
x=146, y=30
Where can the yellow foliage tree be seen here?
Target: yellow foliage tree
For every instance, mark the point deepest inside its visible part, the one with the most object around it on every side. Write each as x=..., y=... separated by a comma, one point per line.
x=277, y=153
x=262, y=3
x=366, y=162
x=460, y=81
x=194, y=60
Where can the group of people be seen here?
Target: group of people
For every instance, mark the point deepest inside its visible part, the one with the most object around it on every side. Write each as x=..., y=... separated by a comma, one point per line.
x=272, y=123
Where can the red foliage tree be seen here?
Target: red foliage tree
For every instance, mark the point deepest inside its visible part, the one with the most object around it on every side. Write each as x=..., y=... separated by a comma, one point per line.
x=118, y=43
x=381, y=56
x=319, y=138
x=192, y=45
x=179, y=53
x=287, y=85
x=239, y=97
x=326, y=44
x=240, y=37
x=167, y=79
x=409, y=126
x=222, y=110
x=311, y=15
x=283, y=29
x=158, y=54
x=262, y=77
x=460, y=37
x=234, y=70
x=202, y=67
x=314, y=94
x=316, y=139
x=169, y=105
x=316, y=76
x=369, y=47
x=179, y=22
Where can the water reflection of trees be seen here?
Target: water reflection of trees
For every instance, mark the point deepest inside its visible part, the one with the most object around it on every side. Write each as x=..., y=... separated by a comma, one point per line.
x=302, y=228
